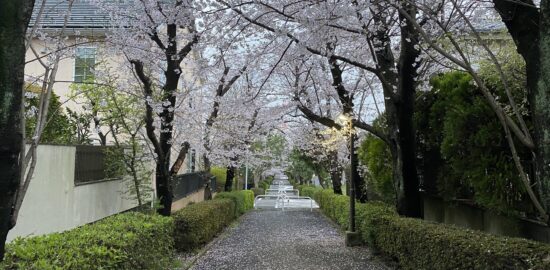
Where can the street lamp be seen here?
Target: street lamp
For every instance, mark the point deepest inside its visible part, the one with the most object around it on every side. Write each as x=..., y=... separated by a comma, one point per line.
x=352, y=237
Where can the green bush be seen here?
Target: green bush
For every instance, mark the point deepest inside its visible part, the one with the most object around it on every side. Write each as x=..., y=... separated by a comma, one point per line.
x=418, y=244
x=198, y=223
x=308, y=191
x=220, y=174
x=124, y=241
x=243, y=199
x=461, y=147
x=258, y=191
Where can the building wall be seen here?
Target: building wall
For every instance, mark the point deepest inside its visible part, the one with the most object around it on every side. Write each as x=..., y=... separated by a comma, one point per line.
x=53, y=203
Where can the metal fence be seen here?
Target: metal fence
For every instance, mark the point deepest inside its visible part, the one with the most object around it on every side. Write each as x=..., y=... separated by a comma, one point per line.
x=186, y=184
x=90, y=164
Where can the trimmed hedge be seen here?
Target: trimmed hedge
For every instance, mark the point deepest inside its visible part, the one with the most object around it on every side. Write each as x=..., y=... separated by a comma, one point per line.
x=129, y=240
x=220, y=173
x=125, y=241
x=243, y=199
x=419, y=244
x=198, y=223
x=258, y=191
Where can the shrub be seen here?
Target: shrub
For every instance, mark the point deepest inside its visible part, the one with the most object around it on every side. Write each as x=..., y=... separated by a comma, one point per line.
x=243, y=199
x=418, y=244
x=124, y=241
x=220, y=174
x=198, y=223
x=375, y=154
x=258, y=191
x=308, y=191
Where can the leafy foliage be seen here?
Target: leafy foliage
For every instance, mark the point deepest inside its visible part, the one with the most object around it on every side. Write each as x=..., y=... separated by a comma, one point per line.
x=478, y=164
x=303, y=167
x=375, y=155
x=462, y=151
x=258, y=191
x=124, y=241
x=243, y=199
x=417, y=244
x=198, y=223
x=58, y=129
x=220, y=174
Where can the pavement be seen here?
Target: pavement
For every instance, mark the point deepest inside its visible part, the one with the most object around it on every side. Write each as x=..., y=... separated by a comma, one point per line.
x=272, y=239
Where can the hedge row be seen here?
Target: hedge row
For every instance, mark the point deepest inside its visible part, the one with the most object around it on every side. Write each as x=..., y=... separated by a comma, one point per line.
x=419, y=244
x=244, y=200
x=125, y=241
x=129, y=240
x=258, y=191
x=198, y=223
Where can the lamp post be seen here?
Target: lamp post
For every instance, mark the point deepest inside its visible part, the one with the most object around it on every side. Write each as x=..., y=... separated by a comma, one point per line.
x=352, y=237
x=246, y=172
x=353, y=179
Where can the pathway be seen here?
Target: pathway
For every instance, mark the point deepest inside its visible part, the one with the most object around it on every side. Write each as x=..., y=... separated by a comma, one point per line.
x=269, y=239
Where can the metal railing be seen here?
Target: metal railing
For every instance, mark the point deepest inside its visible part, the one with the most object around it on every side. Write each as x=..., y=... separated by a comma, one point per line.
x=282, y=201
x=188, y=183
x=91, y=164
x=293, y=192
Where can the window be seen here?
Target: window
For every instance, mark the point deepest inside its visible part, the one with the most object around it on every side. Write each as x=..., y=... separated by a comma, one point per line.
x=84, y=64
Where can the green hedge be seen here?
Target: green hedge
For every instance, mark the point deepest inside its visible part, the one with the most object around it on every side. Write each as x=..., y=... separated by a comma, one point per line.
x=220, y=173
x=129, y=240
x=198, y=223
x=124, y=241
x=418, y=244
x=244, y=200
x=258, y=191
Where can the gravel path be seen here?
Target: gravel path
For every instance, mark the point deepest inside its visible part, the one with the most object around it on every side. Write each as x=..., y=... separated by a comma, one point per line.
x=285, y=240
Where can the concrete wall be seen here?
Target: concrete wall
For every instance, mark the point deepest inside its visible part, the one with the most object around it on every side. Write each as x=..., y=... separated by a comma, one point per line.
x=53, y=203
x=471, y=217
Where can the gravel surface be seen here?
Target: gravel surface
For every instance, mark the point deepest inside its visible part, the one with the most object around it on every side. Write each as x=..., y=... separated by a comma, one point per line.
x=268, y=239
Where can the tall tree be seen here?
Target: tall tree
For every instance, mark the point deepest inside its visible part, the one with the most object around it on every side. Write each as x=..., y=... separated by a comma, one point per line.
x=160, y=37
x=14, y=18
x=375, y=23
x=529, y=27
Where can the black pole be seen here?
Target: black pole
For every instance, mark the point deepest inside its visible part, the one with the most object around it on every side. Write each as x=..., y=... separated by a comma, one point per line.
x=352, y=181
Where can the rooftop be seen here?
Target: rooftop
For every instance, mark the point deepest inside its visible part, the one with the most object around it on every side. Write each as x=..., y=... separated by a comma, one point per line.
x=84, y=17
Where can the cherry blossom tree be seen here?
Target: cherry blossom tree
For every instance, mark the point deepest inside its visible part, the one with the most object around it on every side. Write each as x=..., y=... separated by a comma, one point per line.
x=372, y=37
x=156, y=37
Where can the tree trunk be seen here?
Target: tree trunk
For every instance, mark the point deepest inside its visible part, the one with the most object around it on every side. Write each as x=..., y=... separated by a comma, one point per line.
x=230, y=174
x=409, y=202
x=399, y=92
x=335, y=173
x=530, y=30
x=14, y=18
x=164, y=189
x=180, y=159
x=540, y=108
x=360, y=185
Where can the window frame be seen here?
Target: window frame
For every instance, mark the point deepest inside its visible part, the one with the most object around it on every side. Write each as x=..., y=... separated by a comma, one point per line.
x=83, y=76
